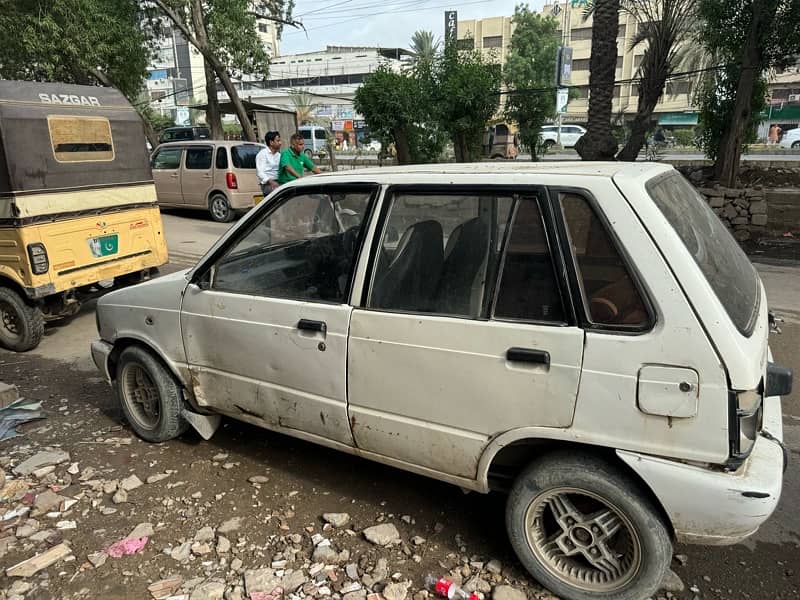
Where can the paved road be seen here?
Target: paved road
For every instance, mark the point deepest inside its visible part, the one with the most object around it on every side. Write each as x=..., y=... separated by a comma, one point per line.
x=765, y=566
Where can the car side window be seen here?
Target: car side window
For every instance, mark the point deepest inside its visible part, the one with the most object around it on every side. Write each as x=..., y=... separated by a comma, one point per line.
x=167, y=158
x=303, y=249
x=608, y=290
x=528, y=289
x=438, y=253
x=199, y=157
x=222, y=157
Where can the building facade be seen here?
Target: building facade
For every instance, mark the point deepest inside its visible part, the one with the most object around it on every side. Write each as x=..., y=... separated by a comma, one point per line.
x=492, y=36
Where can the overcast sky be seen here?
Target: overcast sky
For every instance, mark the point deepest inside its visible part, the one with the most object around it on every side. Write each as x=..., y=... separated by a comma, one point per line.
x=374, y=23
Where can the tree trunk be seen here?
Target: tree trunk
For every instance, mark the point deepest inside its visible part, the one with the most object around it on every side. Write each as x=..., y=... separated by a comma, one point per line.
x=213, y=115
x=331, y=144
x=461, y=148
x=599, y=143
x=649, y=95
x=401, y=146
x=726, y=168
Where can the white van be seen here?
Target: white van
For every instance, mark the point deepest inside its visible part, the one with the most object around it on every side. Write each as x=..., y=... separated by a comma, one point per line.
x=585, y=336
x=315, y=138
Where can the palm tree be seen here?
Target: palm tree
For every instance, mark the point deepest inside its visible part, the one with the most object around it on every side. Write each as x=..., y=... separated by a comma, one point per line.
x=424, y=46
x=304, y=106
x=599, y=143
x=664, y=25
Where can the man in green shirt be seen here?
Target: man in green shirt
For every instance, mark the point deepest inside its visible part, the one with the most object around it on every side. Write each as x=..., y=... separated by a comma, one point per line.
x=294, y=161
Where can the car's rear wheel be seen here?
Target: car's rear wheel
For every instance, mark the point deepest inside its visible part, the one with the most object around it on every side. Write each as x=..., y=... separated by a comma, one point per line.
x=21, y=324
x=150, y=396
x=549, y=144
x=220, y=208
x=796, y=145
x=309, y=153
x=585, y=530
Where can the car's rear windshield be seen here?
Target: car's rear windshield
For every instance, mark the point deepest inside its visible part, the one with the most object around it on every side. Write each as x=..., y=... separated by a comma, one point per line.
x=244, y=156
x=719, y=256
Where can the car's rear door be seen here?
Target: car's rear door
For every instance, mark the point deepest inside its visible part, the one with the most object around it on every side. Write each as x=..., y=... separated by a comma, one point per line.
x=265, y=321
x=198, y=177
x=465, y=330
x=166, y=166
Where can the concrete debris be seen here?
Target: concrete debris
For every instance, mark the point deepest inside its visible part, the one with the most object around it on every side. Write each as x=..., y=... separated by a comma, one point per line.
x=261, y=580
x=258, y=479
x=165, y=588
x=230, y=525
x=213, y=589
x=120, y=497
x=206, y=534
x=418, y=540
x=157, y=477
x=672, y=583
x=39, y=460
x=382, y=535
x=223, y=545
x=130, y=483
x=476, y=584
x=142, y=530
x=507, y=592
x=494, y=566
x=337, y=519
x=182, y=553
x=292, y=581
x=396, y=591
x=38, y=562
x=98, y=559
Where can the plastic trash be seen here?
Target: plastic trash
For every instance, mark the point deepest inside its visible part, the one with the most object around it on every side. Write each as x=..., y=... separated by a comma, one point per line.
x=126, y=547
x=447, y=589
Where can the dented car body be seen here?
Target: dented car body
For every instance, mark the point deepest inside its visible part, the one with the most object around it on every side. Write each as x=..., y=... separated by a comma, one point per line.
x=438, y=321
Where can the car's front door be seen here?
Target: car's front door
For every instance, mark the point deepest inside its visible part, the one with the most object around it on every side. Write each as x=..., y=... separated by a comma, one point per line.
x=464, y=332
x=166, y=165
x=197, y=178
x=265, y=322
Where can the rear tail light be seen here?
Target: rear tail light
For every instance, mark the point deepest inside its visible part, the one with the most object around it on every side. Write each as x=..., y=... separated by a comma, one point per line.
x=230, y=180
x=746, y=414
x=40, y=264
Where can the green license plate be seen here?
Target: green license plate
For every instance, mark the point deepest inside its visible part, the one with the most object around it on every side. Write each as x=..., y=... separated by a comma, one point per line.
x=105, y=245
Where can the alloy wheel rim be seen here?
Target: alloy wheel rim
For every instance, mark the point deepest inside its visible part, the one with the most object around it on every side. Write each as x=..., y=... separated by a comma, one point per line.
x=10, y=320
x=219, y=208
x=141, y=396
x=583, y=539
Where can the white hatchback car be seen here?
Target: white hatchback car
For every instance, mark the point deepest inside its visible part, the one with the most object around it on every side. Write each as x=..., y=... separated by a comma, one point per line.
x=570, y=134
x=586, y=336
x=791, y=139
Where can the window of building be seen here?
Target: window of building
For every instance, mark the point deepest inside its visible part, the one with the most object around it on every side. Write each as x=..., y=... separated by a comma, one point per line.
x=621, y=31
x=528, y=289
x=581, y=34
x=580, y=64
x=80, y=139
x=617, y=91
x=466, y=44
x=493, y=41
x=608, y=290
x=676, y=88
x=199, y=158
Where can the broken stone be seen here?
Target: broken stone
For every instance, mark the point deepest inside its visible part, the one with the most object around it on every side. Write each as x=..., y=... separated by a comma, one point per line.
x=30, y=527
x=120, y=497
x=292, y=581
x=476, y=584
x=672, y=583
x=107, y=510
x=230, y=525
x=683, y=559
x=165, y=588
x=396, y=591
x=418, y=540
x=258, y=479
x=141, y=530
x=206, y=534
x=236, y=564
x=201, y=549
x=98, y=559
x=156, y=478
x=182, y=553
x=351, y=570
x=220, y=457
x=130, y=483
x=223, y=545
x=19, y=588
x=46, y=502
x=261, y=580
x=495, y=567
x=506, y=592
x=43, y=472
x=382, y=535
x=356, y=595
x=337, y=519
x=325, y=554
x=39, y=460
x=209, y=590
x=109, y=487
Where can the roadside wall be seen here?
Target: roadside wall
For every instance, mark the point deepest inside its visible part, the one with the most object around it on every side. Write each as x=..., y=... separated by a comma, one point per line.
x=742, y=210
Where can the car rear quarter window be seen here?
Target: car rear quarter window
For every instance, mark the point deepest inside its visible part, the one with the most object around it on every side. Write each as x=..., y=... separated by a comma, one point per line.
x=722, y=261
x=222, y=158
x=244, y=156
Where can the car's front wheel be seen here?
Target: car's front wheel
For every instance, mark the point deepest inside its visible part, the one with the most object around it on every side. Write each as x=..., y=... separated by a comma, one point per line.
x=150, y=396
x=586, y=531
x=21, y=324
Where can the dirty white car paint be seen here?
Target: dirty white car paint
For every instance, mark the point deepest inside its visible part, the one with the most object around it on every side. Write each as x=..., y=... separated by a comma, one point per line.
x=455, y=379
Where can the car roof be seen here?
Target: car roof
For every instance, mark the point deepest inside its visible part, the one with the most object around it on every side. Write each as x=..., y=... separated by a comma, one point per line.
x=517, y=169
x=207, y=142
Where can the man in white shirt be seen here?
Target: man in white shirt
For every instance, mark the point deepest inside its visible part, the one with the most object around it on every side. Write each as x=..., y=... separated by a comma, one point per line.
x=267, y=162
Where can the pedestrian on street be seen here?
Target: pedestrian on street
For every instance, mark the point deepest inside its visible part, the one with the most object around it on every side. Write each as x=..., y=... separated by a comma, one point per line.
x=294, y=161
x=774, y=134
x=268, y=161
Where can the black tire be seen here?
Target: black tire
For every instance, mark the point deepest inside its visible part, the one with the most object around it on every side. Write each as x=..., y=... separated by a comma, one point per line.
x=549, y=144
x=309, y=153
x=220, y=208
x=21, y=324
x=796, y=146
x=150, y=396
x=614, y=519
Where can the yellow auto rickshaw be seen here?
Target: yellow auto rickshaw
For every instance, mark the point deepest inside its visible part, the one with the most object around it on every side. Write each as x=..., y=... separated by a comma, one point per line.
x=78, y=213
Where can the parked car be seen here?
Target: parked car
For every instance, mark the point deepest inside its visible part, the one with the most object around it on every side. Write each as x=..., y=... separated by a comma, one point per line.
x=570, y=134
x=791, y=139
x=182, y=134
x=315, y=138
x=587, y=336
x=214, y=174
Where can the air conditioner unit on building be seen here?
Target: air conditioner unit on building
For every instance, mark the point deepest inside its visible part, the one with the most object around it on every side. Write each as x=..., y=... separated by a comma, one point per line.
x=794, y=97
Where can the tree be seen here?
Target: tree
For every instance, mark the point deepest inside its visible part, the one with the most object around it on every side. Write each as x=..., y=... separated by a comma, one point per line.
x=89, y=42
x=225, y=33
x=304, y=106
x=663, y=25
x=531, y=65
x=465, y=94
x=748, y=37
x=425, y=47
x=392, y=106
x=599, y=143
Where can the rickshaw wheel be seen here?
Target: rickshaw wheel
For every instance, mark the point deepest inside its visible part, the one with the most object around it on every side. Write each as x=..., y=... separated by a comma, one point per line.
x=21, y=325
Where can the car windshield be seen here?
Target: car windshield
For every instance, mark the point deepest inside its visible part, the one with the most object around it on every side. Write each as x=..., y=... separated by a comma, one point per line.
x=719, y=256
x=244, y=156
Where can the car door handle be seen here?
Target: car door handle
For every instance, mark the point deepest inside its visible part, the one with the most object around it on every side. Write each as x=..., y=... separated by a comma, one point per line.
x=174, y=175
x=311, y=325
x=539, y=357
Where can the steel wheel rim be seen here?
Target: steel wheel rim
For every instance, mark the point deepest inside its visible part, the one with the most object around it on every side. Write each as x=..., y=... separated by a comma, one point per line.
x=9, y=318
x=141, y=396
x=219, y=207
x=583, y=539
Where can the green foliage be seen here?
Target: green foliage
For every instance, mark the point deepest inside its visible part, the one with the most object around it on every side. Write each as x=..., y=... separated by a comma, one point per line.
x=76, y=41
x=304, y=106
x=531, y=65
x=464, y=88
x=725, y=30
x=425, y=47
x=156, y=120
x=684, y=137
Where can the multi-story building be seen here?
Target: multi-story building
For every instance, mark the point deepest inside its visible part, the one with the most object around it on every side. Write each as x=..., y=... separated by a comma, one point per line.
x=492, y=36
